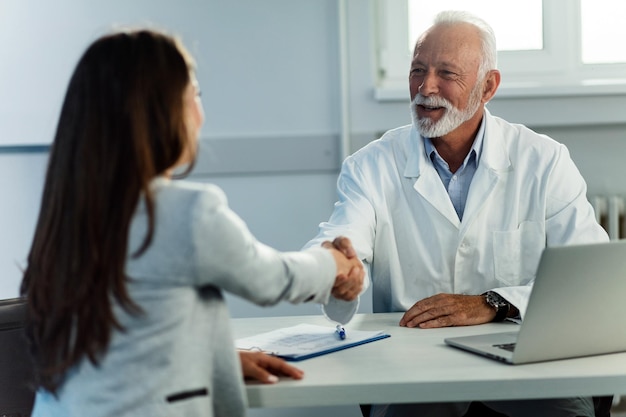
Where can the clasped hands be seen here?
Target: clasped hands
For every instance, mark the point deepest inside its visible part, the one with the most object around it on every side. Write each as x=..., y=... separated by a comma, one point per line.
x=350, y=273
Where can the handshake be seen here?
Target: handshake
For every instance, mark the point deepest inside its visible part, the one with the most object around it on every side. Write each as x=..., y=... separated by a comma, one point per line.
x=350, y=273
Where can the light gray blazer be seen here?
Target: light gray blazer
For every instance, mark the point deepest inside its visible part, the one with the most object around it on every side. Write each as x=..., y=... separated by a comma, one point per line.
x=178, y=357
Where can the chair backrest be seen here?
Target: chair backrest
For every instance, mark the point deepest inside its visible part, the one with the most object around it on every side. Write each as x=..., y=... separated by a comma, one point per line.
x=16, y=379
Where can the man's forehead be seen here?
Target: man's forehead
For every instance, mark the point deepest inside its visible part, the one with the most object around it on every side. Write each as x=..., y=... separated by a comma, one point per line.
x=450, y=35
x=449, y=43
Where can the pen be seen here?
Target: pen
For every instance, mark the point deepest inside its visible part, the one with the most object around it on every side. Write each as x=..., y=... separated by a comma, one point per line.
x=341, y=332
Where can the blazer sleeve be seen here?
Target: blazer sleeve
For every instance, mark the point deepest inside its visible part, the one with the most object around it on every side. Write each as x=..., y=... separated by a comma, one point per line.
x=228, y=256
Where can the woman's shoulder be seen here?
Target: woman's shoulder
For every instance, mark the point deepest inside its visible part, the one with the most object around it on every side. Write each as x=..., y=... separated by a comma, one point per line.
x=189, y=191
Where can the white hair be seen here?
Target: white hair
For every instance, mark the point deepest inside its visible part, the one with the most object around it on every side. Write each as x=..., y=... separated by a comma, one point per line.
x=489, y=59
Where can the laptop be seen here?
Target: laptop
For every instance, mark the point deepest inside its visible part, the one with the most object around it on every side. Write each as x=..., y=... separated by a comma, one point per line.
x=576, y=308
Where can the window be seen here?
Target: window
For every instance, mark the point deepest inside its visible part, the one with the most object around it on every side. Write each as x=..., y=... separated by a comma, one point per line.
x=603, y=31
x=508, y=20
x=545, y=47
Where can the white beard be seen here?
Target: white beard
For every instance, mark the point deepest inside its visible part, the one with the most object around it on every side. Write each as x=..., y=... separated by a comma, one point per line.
x=452, y=116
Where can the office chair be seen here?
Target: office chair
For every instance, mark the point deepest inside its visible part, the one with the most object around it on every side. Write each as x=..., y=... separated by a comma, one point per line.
x=16, y=379
x=476, y=409
x=603, y=405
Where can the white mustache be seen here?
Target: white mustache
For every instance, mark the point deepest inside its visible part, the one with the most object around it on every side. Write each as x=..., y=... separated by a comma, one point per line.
x=431, y=101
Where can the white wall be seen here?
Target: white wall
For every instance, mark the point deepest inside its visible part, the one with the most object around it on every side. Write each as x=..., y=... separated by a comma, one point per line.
x=21, y=182
x=269, y=70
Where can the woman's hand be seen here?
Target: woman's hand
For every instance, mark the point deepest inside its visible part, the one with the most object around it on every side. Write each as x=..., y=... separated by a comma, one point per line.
x=265, y=368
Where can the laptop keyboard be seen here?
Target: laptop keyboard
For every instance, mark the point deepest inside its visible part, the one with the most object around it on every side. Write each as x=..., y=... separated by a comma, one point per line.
x=506, y=346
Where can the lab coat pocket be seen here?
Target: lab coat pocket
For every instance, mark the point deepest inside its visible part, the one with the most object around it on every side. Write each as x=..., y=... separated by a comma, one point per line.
x=517, y=252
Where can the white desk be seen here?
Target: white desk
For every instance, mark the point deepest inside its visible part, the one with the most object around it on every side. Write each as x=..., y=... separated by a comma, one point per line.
x=415, y=365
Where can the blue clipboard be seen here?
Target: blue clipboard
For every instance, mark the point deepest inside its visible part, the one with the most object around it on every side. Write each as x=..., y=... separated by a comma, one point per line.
x=301, y=357
x=306, y=341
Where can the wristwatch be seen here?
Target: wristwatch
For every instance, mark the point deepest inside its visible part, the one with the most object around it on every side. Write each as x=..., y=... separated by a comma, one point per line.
x=496, y=301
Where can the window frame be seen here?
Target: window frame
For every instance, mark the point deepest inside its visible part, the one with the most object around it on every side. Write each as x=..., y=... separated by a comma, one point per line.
x=556, y=70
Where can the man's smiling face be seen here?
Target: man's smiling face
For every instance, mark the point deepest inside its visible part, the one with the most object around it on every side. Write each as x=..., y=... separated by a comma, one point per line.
x=444, y=85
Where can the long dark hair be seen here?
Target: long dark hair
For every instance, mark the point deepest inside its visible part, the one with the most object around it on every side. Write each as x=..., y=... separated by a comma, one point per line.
x=121, y=124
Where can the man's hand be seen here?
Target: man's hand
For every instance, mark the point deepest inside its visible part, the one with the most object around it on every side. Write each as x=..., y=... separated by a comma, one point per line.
x=344, y=245
x=444, y=310
x=265, y=368
x=350, y=273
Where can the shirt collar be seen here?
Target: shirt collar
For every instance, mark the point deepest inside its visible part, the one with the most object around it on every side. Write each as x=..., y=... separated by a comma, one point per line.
x=475, y=151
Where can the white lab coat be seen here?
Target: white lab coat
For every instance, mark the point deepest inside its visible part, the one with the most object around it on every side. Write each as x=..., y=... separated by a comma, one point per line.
x=526, y=194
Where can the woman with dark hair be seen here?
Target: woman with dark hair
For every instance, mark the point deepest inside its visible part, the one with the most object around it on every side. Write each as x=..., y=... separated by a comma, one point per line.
x=124, y=276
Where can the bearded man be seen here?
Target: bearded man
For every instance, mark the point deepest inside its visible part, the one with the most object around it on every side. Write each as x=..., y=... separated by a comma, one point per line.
x=450, y=214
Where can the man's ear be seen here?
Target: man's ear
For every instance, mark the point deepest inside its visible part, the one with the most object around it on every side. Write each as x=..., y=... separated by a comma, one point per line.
x=490, y=85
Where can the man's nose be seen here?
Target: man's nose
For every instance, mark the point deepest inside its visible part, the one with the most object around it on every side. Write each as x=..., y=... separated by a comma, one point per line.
x=429, y=85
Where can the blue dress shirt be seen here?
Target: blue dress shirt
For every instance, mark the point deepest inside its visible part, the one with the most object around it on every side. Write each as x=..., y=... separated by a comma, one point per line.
x=457, y=183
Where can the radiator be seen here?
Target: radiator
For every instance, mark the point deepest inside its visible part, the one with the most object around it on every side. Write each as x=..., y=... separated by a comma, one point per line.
x=611, y=214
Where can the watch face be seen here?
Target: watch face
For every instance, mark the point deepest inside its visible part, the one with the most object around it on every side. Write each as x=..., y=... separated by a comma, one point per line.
x=500, y=304
x=495, y=299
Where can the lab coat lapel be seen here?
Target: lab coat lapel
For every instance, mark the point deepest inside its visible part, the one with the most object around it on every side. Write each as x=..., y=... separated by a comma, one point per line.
x=427, y=181
x=482, y=186
x=493, y=167
x=430, y=186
